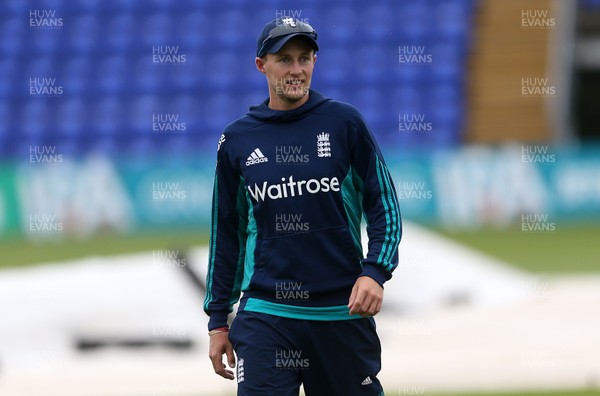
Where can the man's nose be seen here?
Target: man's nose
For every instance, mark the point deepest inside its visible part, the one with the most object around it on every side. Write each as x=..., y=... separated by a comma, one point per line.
x=295, y=68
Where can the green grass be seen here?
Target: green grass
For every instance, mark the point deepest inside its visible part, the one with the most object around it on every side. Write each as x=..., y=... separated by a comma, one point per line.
x=565, y=250
x=19, y=252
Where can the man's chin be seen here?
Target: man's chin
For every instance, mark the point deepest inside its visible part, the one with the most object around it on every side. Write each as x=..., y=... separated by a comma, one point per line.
x=294, y=97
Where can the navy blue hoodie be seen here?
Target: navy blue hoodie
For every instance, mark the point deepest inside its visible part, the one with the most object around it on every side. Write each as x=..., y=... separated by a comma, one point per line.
x=290, y=190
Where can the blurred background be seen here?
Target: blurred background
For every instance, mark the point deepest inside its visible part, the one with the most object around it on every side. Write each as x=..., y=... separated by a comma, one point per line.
x=487, y=112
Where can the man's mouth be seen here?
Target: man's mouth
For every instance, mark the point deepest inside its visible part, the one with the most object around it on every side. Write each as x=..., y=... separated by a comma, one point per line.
x=295, y=82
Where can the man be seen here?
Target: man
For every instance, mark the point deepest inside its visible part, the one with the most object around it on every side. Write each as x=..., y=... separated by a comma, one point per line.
x=293, y=179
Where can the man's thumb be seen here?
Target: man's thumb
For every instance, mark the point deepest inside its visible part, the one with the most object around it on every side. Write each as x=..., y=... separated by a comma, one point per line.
x=230, y=357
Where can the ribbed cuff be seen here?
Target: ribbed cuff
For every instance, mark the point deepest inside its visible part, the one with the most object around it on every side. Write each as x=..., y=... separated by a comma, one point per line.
x=376, y=272
x=217, y=319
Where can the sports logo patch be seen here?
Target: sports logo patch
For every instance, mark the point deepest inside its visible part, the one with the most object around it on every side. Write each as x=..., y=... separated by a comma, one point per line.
x=323, y=145
x=256, y=157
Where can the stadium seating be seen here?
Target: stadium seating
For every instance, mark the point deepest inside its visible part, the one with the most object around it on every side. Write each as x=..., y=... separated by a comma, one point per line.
x=102, y=57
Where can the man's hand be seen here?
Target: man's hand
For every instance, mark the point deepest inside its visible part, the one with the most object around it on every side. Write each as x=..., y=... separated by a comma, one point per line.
x=366, y=297
x=219, y=345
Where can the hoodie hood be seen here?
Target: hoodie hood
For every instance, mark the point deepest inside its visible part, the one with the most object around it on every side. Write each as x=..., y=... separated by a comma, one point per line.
x=264, y=113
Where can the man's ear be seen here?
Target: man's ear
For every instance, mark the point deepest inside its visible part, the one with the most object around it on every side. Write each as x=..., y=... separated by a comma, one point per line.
x=260, y=65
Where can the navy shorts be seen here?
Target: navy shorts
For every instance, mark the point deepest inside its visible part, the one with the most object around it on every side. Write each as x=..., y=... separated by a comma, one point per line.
x=275, y=355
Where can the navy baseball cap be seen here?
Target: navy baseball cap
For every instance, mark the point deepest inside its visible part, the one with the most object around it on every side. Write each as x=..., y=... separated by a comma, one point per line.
x=279, y=31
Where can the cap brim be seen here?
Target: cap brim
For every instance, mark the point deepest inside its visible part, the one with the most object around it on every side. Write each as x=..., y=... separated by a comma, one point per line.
x=282, y=41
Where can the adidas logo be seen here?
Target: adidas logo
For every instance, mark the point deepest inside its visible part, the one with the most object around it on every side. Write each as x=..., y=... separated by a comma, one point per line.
x=256, y=157
x=367, y=381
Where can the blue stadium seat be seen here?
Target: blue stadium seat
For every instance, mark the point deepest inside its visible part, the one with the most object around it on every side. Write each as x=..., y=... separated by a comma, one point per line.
x=375, y=59
x=120, y=33
x=103, y=58
x=235, y=21
x=414, y=20
x=193, y=31
x=83, y=33
x=371, y=103
x=447, y=62
x=13, y=36
x=16, y=7
x=34, y=118
x=141, y=111
x=8, y=82
x=189, y=74
x=108, y=115
x=157, y=29
x=343, y=21
x=251, y=77
x=5, y=116
x=380, y=20
x=112, y=74
x=218, y=107
x=76, y=75
x=452, y=19
x=147, y=75
x=222, y=69
x=69, y=148
x=251, y=98
x=71, y=116
x=328, y=67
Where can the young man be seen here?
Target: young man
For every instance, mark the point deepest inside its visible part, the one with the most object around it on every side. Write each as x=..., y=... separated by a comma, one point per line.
x=294, y=177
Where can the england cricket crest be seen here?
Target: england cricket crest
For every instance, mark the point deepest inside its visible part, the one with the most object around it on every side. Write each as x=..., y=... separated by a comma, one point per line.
x=289, y=22
x=323, y=145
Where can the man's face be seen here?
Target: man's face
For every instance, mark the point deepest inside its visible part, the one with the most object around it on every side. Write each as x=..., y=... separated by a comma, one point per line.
x=289, y=73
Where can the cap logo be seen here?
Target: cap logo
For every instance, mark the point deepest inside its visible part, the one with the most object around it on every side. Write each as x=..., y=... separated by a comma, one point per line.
x=289, y=22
